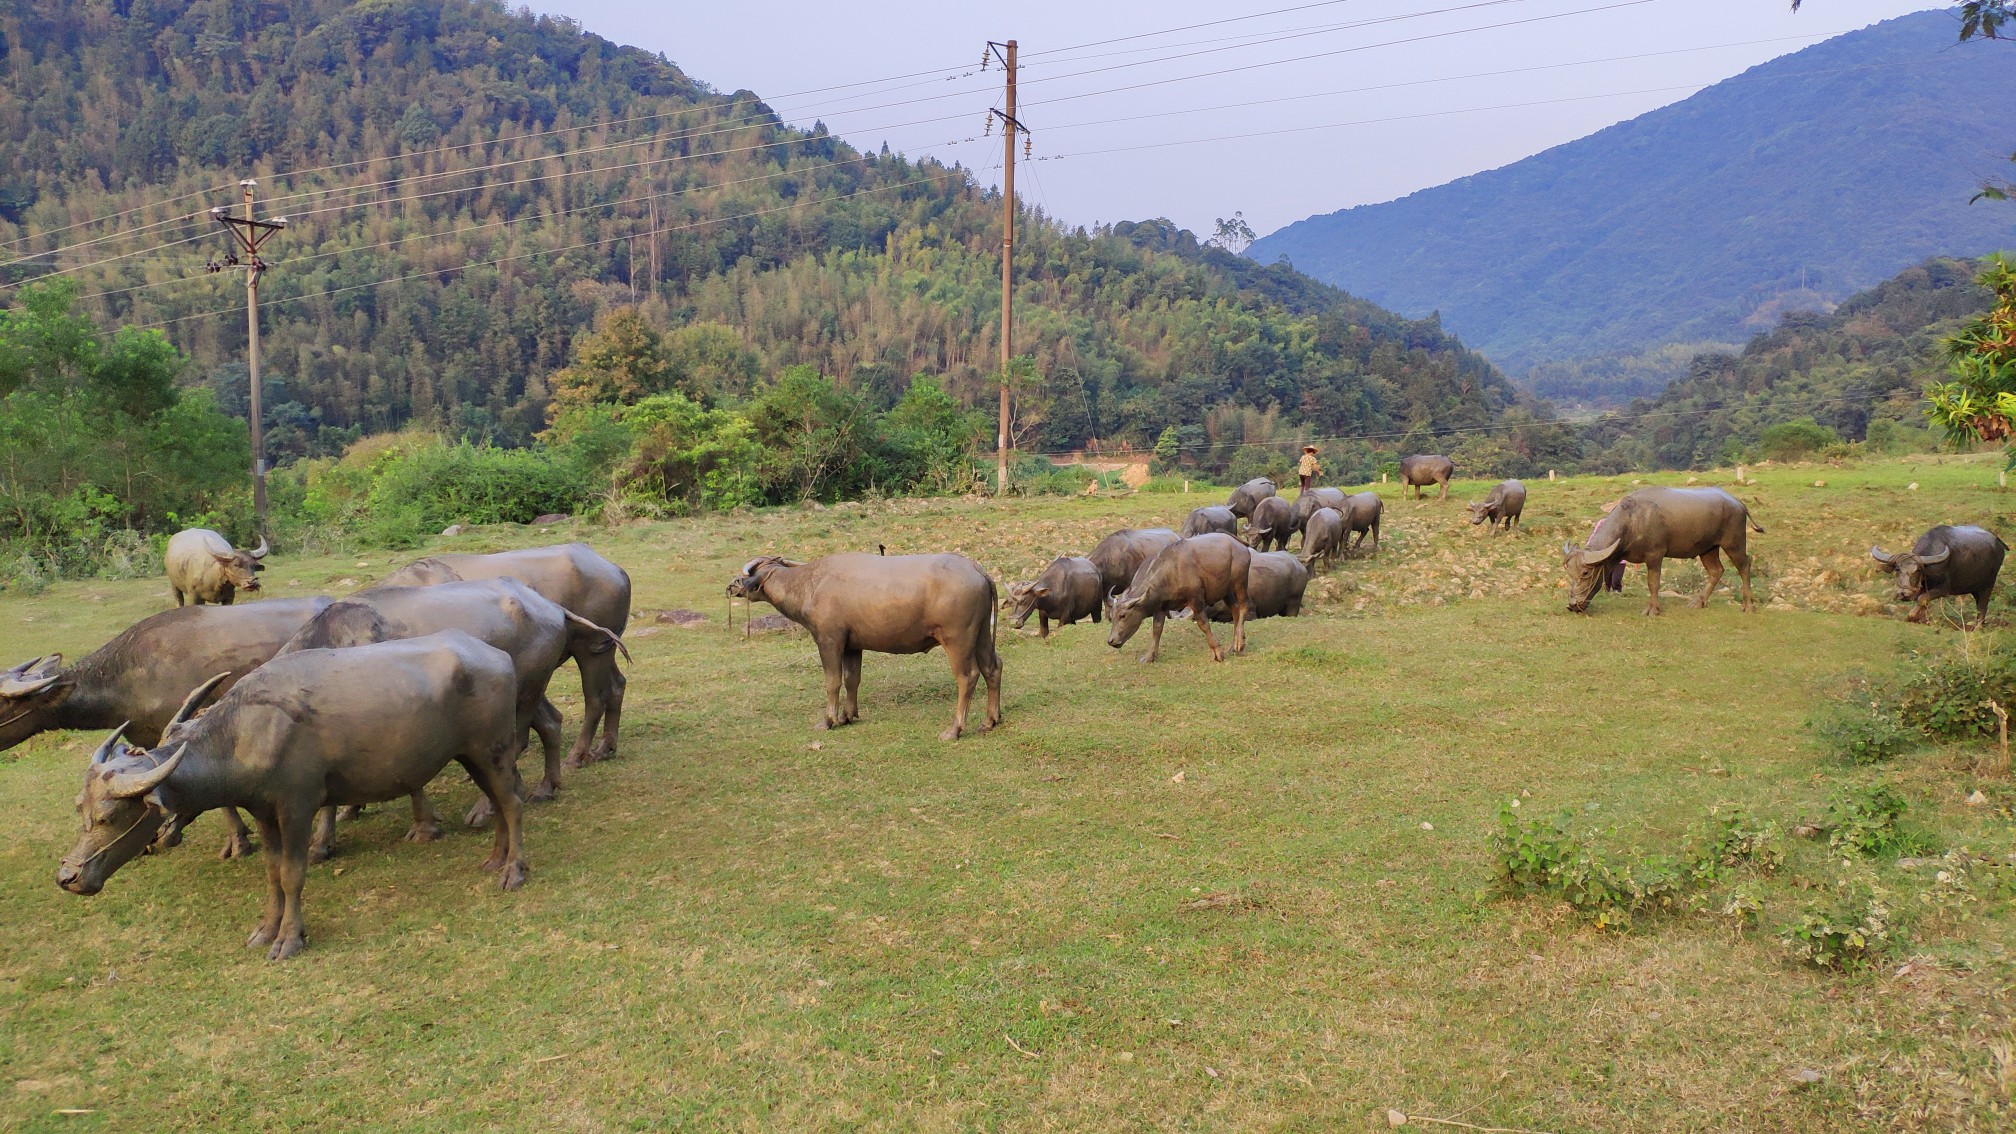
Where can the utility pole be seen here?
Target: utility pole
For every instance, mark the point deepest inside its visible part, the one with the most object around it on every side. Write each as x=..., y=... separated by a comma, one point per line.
x=251, y=235
x=1011, y=126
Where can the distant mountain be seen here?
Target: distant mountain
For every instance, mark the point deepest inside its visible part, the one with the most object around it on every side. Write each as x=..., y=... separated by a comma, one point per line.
x=1794, y=184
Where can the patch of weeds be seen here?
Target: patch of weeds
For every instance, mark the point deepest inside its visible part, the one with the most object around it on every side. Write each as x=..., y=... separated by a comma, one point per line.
x=1547, y=856
x=1865, y=822
x=1729, y=839
x=1861, y=729
x=1322, y=657
x=1951, y=697
x=1850, y=929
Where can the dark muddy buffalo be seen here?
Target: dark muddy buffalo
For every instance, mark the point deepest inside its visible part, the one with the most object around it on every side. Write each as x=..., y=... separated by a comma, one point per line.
x=1652, y=525
x=1503, y=506
x=1248, y=496
x=1271, y=525
x=1361, y=516
x=896, y=604
x=303, y=731
x=1066, y=591
x=1322, y=538
x=1944, y=563
x=1191, y=573
x=1213, y=518
x=1307, y=503
x=1274, y=587
x=1420, y=472
x=1120, y=556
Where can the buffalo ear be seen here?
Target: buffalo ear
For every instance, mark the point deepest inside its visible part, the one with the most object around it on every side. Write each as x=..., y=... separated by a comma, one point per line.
x=1039, y=589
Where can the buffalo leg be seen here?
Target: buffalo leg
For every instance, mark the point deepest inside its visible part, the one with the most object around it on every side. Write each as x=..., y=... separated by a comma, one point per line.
x=1155, y=638
x=850, y=683
x=1203, y=620
x=322, y=844
x=1981, y=608
x=1741, y=559
x=546, y=723
x=1712, y=564
x=1918, y=612
x=238, y=843
x=990, y=668
x=1445, y=491
x=296, y=829
x=965, y=671
x=602, y=685
x=830, y=661
x=1652, y=581
x=426, y=823
x=498, y=777
x=1042, y=625
x=1239, y=612
x=269, y=924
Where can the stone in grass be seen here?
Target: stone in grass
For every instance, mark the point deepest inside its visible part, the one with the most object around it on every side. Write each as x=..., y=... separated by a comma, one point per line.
x=552, y=518
x=1806, y=1076
x=682, y=617
x=770, y=624
x=452, y=530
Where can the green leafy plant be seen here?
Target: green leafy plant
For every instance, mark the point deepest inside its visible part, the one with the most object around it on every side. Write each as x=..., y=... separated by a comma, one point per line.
x=1547, y=856
x=1861, y=729
x=1729, y=839
x=1865, y=822
x=1849, y=930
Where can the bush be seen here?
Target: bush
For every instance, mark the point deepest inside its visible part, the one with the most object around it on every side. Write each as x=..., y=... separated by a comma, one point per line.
x=1865, y=822
x=1861, y=729
x=1546, y=856
x=1848, y=931
x=1259, y=460
x=1795, y=440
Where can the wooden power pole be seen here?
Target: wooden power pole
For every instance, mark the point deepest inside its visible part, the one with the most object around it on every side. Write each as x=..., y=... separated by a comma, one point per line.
x=1011, y=126
x=252, y=235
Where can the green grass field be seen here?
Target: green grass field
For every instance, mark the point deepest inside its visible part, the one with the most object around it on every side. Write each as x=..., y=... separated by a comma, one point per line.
x=744, y=924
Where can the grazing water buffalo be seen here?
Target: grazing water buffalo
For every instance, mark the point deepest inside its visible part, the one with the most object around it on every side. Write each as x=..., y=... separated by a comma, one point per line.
x=1271, y=525
x=574, y=576
x=1361, y=516
x=204, y=567
x=1945, y=562
x=1421, y=471
x=1067, y=591
x=1274, y=587
x=1503, y=506
x=898, y=604
x=1120, y=556
x=141, y=675
x=1214, y=518
x=1192, y=573
x=318, y=727
x=538, y=634
x=1248, y=496
x=1653, y=524
x=1307, y=504
x=1323, y=537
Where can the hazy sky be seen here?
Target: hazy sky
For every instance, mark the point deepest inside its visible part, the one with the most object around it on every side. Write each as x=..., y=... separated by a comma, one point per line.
x=1413, y=114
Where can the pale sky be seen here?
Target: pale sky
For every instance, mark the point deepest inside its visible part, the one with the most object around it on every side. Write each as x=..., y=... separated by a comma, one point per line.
x=1070, y=78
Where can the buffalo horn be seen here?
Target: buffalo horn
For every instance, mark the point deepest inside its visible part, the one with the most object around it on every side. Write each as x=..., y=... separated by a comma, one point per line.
x=261, y=551
x=104, y=751
x=126, y=785
x=1936, y=559
x=195, y=698
x=1599, y=554
x=1881, y=556
x=31, y=677
x=1568, y=550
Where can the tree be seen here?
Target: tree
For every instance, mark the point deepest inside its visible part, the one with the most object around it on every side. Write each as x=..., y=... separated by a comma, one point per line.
x=1233, y=235
x=1979, y=401
x=624, y=360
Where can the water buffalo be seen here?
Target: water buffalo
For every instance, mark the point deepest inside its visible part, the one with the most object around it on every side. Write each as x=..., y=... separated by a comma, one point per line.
x=1066, y=591
x=1248, y=496
x=1271, y=525
x=141, y=675
x=1120, y=556
x=1215, y=518
x=1945, y=562
x=1361, y=516
x=204, y=567
x=1274, y=587
x=1192, y=573
x=1651, y=525
x=1503, y=506
x=1323, y=537
x=539, y=635
x=580, y=580
x=1307, y=504
x=317, y=727
x=897, y=604
x=1420, y=471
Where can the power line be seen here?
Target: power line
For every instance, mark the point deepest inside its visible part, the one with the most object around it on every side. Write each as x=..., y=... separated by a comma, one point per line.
x=1192, y=27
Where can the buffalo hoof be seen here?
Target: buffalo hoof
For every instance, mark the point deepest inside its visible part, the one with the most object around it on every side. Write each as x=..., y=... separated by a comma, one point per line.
x=512, y=876
x=320, y=852
x=262, y=937
x=479, y=815
x=236, y=846
x=1218, y=654
x=423, y=832
x=952, y=733
x=543, y=791
x=349, y=812
x=287, y=946
x=582, y=757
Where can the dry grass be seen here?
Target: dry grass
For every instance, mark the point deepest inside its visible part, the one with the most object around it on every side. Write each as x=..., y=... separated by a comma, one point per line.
x=743, y=924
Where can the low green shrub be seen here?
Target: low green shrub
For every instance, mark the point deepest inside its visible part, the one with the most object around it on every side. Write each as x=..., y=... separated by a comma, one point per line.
x=1730, y=839
x=1547, y=856
x=1859, y=730
x=1866, y=822
x=1851, y=929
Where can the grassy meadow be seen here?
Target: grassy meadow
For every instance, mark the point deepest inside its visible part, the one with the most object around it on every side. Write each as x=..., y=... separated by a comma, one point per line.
x=1186, y=896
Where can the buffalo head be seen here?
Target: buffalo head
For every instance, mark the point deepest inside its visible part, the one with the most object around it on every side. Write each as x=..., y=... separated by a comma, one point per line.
x=1022, y=600
x=28, y=694
x=1586, y=567
x=1479, y=512
x=1123, y=611
x=241, y=568
x=748, y=582
x=121, y=802
x=1909, y=568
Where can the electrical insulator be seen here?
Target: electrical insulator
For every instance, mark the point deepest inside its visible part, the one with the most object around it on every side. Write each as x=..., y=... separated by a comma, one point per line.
x=1027, y=141
x=989, y=131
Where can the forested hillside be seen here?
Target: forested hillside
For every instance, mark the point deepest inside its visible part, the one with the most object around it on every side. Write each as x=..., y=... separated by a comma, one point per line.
x=469, y=189
x=1857, y=374
x=1794, y=184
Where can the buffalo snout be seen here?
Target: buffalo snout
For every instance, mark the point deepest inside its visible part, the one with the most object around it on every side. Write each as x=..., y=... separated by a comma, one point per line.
x=72, y=878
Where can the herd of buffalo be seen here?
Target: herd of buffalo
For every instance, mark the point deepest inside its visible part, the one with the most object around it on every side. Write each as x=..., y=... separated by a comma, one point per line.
x=291, y=709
